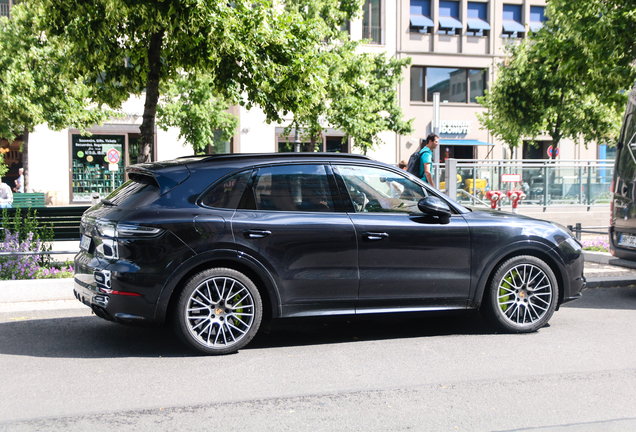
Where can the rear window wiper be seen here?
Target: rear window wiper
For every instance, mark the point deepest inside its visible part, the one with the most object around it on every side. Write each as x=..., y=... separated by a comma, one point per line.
x=108, y=203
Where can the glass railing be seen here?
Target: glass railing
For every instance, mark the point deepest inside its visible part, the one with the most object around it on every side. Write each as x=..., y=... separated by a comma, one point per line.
x=544, y=183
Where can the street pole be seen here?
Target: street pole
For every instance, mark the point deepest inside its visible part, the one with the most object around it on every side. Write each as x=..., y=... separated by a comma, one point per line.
x=436, y=127
x=296, y=143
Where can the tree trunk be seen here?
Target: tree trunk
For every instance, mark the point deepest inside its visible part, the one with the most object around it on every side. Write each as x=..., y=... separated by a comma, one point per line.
x=147, y=127
x=313, y=143
x=25, y=157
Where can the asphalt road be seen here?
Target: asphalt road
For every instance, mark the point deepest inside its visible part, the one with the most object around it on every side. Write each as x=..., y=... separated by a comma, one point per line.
x=64, y=369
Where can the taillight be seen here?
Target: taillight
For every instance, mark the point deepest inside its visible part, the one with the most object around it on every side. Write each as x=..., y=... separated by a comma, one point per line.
x=611, y=203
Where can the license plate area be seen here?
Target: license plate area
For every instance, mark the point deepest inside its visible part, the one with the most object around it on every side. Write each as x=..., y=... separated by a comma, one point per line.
x=627, y=240
x=85, y=242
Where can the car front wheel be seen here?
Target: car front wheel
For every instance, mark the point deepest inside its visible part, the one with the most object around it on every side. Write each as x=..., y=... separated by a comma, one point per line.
x=522, y=295
x=219, y=311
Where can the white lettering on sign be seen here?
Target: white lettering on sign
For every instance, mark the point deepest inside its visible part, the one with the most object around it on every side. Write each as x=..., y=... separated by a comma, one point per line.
x=510, y=178
x=456, y=126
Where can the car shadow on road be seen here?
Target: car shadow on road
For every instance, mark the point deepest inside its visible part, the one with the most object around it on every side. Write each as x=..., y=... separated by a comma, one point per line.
x=92, y=337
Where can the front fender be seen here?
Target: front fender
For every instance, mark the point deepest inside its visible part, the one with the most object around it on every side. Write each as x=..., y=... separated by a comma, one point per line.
x=486, y=267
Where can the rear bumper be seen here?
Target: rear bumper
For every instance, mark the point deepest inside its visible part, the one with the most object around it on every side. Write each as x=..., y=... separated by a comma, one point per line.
x=110, y=307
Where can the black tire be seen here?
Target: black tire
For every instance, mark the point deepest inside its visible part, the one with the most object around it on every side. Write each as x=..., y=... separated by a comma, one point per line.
x=522, y=296
x=219, y=311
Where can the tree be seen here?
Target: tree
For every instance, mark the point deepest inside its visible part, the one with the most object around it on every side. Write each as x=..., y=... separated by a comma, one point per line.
x=277, y=56
x=603, y=33
x=34, y=86
x=535, y=93
x=191, y=104
x=360, y=98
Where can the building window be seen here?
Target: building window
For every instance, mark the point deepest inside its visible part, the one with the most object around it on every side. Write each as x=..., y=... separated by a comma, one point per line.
x=372, y=22
x=512, y=23
x=420, y=16
x=418, y=84
x=449, y=22
x=453, y=84
x=537, y=18
x=477, y=19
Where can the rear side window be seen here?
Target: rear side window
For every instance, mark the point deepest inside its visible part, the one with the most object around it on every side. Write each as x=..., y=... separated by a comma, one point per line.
x=293, y=188
x=226, y=193
x=139, y=191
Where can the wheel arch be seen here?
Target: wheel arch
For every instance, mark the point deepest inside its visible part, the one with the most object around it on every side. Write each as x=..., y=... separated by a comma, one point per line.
x=226, y=259
x=544, y=254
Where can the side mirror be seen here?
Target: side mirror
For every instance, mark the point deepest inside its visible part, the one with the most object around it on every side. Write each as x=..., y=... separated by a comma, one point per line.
x=434, y=206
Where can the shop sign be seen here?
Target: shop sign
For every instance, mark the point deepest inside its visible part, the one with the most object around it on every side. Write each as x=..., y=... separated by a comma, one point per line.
x=456, y=126
x=93, y=160
x=511, y=178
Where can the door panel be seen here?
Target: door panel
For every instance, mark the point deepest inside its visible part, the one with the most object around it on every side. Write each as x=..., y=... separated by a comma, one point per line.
x=404, y=257
x=294, y=230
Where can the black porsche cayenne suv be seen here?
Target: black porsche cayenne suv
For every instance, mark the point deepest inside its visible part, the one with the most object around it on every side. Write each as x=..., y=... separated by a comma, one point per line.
x=214, y=244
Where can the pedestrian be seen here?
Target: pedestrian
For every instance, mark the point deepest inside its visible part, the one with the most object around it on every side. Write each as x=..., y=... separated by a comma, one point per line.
x=6, y=196
x=402, y=165
x=426, y=160
x=19, y=182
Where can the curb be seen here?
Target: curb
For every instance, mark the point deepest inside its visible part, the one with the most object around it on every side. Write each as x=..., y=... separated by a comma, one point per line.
x=607, y=258
x=36, y=290
x=610, y=282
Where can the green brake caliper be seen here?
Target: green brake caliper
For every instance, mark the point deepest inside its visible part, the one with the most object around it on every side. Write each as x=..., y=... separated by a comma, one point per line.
x=502, y=291
x=237, y=311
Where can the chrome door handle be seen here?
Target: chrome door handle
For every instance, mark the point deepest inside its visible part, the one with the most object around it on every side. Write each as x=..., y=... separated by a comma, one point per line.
x=374, y=236
x=256, y=233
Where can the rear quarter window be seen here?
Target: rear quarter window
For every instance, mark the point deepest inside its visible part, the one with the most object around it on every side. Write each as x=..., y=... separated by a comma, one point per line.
x=226, y=193
x=139, y=191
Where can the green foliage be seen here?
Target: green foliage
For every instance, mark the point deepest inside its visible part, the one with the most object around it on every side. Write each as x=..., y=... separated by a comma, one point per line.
x=602, y=39
x=190, y=103
x=23, y=233
x=535, y=93
x=360, y=98
x=284, y=57
x=34, y=85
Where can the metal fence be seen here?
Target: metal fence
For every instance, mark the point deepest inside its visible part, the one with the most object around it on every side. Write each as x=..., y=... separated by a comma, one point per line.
x=545, y=183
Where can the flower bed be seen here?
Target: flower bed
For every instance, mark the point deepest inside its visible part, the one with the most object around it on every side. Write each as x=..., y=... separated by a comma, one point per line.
x=599, y=244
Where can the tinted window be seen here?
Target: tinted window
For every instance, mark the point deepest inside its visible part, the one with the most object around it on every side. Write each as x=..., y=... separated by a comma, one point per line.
x=226, y=193
x=293, y=188
x=378, y=190
x=136, y=192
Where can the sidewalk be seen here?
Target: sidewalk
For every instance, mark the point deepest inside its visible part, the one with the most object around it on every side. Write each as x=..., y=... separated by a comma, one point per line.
x=602, y=270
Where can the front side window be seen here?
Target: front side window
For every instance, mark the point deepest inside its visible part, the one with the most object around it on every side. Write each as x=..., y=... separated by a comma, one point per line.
x=293, y=188
x=376, y=190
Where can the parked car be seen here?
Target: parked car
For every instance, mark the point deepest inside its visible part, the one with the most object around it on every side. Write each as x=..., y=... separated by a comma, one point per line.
x=214, y=244
x=622, y=229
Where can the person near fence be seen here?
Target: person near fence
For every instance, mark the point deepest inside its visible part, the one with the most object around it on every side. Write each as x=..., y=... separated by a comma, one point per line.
x=6, y=196
x=426, y=161
x=19, y=182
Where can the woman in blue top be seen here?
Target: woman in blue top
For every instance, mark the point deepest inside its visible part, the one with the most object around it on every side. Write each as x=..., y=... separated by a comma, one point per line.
x=426, y=160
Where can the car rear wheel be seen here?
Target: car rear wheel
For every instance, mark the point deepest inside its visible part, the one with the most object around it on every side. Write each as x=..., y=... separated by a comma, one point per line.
x=219, y=311
x=522, y=295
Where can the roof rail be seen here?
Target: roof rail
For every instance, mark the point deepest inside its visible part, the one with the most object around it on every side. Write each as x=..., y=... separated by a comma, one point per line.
x=275, y=156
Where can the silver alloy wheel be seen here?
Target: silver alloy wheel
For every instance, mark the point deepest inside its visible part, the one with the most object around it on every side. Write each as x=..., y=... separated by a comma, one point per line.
x=524, y=295
x=220, y=312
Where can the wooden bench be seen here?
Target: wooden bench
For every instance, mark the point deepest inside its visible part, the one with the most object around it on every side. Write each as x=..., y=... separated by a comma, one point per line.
x=25, y=200
x=64, y=220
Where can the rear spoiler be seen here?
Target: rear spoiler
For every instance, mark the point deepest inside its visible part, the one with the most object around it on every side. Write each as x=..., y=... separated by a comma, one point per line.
x=165, y=178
